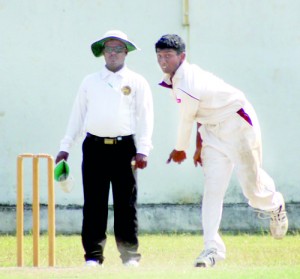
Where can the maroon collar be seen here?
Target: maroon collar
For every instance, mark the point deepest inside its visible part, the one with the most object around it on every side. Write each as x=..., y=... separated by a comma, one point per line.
x=164, y=84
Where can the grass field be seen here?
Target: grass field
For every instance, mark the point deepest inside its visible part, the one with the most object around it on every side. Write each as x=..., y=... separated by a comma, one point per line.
x=163, y=257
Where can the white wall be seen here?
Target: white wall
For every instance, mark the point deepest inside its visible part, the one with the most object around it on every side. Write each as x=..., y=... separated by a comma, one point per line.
x=45, y=53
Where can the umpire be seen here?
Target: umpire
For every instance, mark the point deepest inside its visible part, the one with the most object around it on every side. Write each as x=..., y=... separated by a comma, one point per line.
x=114, y=109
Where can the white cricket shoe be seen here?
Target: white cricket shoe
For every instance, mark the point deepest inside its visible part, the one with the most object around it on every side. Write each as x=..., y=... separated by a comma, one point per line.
x=92, y=263
x=131, y=263
x=279, y=223
x=207, y=258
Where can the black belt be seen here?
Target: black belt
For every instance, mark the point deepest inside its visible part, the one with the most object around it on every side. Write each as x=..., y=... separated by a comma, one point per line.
x=107, y=140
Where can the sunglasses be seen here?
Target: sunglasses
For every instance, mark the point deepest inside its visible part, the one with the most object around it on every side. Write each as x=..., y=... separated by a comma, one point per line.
x=116, y=49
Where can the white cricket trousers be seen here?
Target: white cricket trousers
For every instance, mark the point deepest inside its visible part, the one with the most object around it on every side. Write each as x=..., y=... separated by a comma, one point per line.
x=233, y=143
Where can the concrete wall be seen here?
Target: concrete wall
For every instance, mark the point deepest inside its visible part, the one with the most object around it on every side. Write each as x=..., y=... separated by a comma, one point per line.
x=45, y=53
x=158, y=218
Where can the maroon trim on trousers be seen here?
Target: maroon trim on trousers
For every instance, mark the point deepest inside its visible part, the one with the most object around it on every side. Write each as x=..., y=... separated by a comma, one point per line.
x=244, y=115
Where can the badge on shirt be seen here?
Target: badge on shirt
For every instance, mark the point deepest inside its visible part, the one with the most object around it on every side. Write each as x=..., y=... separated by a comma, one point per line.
x=126, y=90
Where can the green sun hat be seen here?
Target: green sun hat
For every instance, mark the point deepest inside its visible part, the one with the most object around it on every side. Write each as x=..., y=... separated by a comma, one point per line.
x=98, y=46
x=61, y=171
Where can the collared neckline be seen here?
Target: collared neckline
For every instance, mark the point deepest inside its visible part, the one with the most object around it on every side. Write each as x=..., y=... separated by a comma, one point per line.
x=105, y=72
x=167, y=82
x=180, y=71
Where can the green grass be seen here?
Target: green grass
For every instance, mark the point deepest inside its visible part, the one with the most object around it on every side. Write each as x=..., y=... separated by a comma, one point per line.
x=164, y=256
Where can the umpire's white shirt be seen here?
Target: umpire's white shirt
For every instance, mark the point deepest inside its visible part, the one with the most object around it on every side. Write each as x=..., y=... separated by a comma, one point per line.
x=110, y=105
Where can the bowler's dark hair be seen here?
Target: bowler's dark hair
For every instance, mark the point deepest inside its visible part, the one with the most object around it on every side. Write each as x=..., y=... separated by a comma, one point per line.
x=171, y=41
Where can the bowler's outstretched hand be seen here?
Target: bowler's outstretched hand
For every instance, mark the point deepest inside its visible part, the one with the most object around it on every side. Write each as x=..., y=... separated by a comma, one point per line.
x=177, y=156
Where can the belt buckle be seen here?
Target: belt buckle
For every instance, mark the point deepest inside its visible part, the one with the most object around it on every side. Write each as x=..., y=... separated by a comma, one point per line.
x=109, y=141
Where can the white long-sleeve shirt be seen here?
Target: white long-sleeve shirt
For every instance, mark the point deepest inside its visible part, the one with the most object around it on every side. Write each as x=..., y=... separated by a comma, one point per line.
x=202, y=97
x=110, y=105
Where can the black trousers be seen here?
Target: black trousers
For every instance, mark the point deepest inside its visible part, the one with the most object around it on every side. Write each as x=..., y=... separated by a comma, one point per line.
x=104, y=165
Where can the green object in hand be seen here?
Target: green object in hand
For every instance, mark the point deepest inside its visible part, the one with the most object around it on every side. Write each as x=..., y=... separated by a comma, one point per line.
x=61, y=171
